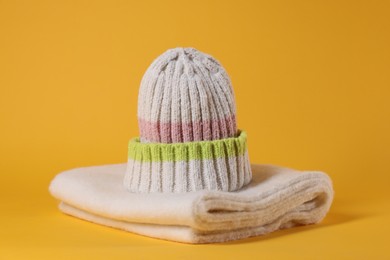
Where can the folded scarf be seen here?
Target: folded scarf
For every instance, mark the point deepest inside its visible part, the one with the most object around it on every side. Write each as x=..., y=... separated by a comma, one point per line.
x=276, y=198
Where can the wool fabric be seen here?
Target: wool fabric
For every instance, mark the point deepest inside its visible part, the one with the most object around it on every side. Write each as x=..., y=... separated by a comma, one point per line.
x=276, y=198
x=186, y=95
x=189, y=139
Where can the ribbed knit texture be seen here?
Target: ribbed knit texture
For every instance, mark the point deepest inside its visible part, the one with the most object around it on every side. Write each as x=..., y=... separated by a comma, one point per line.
x=186, y=96
x=182, y=167
x=188, y=133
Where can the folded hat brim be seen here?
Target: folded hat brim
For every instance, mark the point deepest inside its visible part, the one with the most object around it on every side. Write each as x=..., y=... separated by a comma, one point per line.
x=276, y=198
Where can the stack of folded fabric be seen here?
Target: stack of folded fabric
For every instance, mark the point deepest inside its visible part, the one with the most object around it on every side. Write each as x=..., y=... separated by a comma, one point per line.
x=188, y=177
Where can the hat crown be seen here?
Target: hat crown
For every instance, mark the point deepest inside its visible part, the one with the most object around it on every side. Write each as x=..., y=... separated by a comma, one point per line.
x=186, y=96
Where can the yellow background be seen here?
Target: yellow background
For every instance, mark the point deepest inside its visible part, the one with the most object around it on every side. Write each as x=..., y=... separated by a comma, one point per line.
x=312, y=83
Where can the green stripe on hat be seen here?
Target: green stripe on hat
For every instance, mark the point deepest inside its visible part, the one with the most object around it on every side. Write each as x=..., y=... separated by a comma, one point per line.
x=160, y=152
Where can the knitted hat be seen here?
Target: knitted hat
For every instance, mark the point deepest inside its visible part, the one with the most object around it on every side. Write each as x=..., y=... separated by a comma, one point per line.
x=188, y=140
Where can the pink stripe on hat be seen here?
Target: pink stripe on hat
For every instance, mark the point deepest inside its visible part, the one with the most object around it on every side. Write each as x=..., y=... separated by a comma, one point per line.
x=187, y=132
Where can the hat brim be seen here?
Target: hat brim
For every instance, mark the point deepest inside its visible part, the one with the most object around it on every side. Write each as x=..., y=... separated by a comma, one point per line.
x=276, y=198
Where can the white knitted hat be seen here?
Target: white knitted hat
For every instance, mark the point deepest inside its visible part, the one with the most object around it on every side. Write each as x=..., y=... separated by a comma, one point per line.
x=188, y=135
